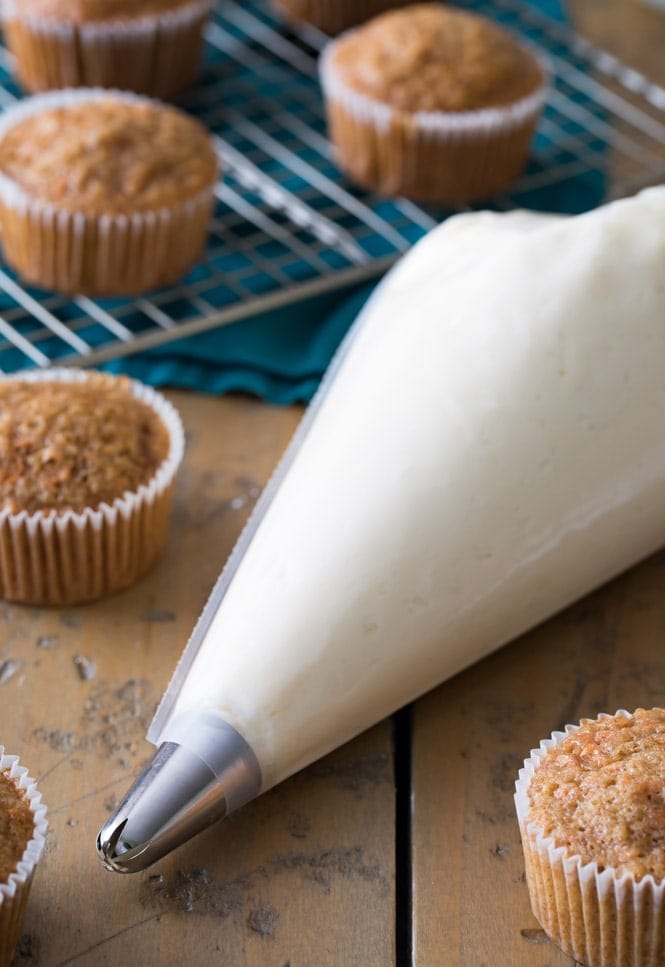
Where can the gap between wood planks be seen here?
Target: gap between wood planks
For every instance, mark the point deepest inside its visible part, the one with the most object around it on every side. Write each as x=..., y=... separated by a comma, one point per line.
x=403, y=819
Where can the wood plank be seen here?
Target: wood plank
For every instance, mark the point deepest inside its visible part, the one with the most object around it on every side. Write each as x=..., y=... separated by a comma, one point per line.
x=303, y=876
x=469, y=739
x=470, y=902
x=633, y=30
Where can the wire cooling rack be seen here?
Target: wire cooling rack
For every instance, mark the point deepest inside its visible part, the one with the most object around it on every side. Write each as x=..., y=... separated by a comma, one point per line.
x=287, y=225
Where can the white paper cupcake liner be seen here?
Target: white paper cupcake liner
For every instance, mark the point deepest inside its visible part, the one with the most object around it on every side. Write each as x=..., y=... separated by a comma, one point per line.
x=155, y=53
x=600, y=918
x=449, y=157
x=70, y=557
x=76, y=252
x=14, y=892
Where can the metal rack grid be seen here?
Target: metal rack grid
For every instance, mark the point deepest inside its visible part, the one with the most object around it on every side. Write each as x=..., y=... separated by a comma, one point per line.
x=287, y=225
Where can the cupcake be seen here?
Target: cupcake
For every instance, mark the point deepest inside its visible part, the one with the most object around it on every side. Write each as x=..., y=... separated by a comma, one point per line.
x=333, y=16
x=103, y=193
x=87, y=467
x=22, y=834
x=149, y=46
x=431, y=103
x=591, y=808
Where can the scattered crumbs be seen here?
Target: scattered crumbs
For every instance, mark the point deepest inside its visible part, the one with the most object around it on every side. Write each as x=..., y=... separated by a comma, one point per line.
x=263, y=921
x=193, y=892
x=131, y=692
x=71, y=620
x=115, y=720
x=111, y=804
x=92, y=705
x=190, y=887
x=250, y=489
x=48, y=641
x=354, y=774
x=72, y=822
x=349, y=863
x=8, y=669
x=155, y=614
x=299, y=826
x=85, y=667
x=196, y=892
x=534, y=935
x=27, y=949
x=238, y=502
x=486, y=817
x=56, y=739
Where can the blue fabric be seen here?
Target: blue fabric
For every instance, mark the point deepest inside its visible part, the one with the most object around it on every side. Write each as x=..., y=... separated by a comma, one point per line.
x=281, y=356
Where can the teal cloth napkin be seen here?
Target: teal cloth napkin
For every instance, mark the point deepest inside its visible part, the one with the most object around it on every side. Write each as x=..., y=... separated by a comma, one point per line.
x=280, y=356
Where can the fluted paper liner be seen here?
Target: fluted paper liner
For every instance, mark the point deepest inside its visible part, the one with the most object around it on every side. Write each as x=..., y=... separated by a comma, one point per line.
x=601, y=918
x=155, y=53
x=14, y=892
x=96, y=254
x=70, y=557
x=447, y=157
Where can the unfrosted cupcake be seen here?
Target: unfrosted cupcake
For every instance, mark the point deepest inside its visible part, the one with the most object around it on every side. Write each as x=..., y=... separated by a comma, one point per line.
x=591, y=809
x=432, y=103
x=149, y=46
x=22, y=834
x=333, y=16
x=87, y=468
x=103, y=193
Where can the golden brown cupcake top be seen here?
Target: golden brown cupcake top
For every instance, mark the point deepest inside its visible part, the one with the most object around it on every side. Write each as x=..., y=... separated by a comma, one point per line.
x=601, y=793
x=17, y=825
x=109, y=155
x=82, y=11
x=73, y=445
x=429, y=57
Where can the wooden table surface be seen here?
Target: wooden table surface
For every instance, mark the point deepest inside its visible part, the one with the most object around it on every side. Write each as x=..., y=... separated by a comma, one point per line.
x=404, y=839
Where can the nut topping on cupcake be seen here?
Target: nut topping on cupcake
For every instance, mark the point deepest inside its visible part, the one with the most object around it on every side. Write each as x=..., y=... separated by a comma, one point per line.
x=591, y=808
x=72, y=445
x=17, y=825
x=22, y=835
x=87, y=466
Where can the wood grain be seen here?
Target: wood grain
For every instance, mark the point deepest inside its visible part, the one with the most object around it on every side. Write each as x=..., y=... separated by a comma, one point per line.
x=633, y=30
x=470, y=737
x=470, y=902
x=306, y=875
x=303, y=876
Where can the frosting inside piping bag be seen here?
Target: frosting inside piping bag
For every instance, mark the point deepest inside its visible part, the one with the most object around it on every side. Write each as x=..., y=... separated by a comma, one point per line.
x=491, y=448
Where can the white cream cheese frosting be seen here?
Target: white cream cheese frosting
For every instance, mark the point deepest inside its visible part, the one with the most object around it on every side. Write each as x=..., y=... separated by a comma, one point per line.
x=491, y=448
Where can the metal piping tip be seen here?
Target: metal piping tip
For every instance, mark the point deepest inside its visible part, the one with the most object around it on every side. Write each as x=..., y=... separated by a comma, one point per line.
x=175, y=798
x=188, y=786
